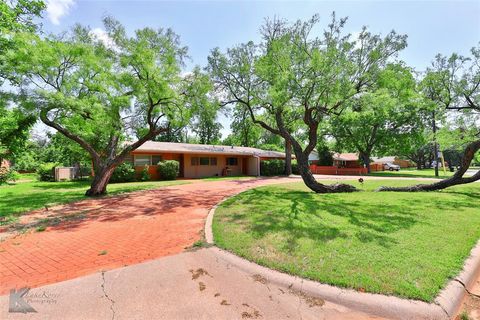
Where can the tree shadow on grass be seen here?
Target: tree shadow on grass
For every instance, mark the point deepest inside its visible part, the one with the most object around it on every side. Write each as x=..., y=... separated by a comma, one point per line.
x=299, y=214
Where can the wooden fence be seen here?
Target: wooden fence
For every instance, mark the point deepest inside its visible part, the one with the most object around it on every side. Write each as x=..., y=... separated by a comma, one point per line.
x=332, y=170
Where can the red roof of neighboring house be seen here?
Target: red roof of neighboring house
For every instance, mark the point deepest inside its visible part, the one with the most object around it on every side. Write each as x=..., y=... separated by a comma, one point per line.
x=345, y=156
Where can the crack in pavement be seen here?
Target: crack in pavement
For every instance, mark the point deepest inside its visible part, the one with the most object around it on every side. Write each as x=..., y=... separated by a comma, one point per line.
x=107, y=296
x=466, y=290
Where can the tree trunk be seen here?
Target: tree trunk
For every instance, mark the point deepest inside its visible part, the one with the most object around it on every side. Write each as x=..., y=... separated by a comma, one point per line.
x=456, y=179
x=314, y=185
x=100, y=181
x=288, y=157
x=366, y=160
x=419, y=164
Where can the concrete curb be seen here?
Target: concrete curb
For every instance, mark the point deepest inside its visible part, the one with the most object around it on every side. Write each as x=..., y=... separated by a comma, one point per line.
x=445, y=306
x=451, y=297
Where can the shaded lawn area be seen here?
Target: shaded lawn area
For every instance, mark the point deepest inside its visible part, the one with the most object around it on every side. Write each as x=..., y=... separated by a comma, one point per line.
x=404, y=244
x=414, y=173
x=21, y=197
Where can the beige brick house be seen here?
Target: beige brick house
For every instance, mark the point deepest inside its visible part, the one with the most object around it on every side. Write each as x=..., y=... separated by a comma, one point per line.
x=198, y=160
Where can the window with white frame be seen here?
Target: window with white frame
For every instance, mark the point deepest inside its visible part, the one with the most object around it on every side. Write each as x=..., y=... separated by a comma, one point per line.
x=142, y=160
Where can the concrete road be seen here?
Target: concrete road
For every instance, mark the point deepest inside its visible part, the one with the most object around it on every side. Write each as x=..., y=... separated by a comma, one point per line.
x=191, y=285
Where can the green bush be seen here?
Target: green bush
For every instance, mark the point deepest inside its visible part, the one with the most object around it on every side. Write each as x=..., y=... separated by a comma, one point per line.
x=26, y=162
x=272, y=167
x=144, y=175
x=46, y=171
x=7, y=174
x=168, y=169
x=325, y=157
x=125, y=172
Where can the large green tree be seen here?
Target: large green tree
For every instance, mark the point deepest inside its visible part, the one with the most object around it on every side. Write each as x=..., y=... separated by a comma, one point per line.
x=244, y=132
x=454, y=85
x=382, y=119
x=15, y=16
x=205, y=124
x=94, y=93
x=297, y=78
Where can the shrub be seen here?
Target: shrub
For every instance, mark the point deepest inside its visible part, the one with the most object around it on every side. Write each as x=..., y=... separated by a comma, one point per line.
x=144, y=175
x=7, y=174
x=125, y=172
x=168, y=169
x=272, y=167
x=325, y=157
x=46, y=171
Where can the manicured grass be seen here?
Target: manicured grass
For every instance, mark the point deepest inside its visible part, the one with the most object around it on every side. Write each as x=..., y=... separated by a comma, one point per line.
x=414, y=173
x=404, y=244
x=25, y=196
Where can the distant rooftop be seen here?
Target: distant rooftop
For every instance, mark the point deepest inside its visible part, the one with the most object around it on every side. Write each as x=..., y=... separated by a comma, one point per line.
x=174, y=147
x=345, y=156
x=384, y=159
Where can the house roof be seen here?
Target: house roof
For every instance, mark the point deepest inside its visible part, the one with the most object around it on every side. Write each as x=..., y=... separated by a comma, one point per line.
x=174, y=147
x=345, y=156
x=384, y=159
x=313, y=156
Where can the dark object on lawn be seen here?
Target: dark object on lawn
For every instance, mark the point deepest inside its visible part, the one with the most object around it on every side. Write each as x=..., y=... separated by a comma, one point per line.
x=361, y=180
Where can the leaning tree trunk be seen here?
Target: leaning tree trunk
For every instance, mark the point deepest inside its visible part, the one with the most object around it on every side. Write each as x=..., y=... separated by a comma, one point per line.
x=456, y=179
x=288, y=157
x=314, y=185
x=100, y=181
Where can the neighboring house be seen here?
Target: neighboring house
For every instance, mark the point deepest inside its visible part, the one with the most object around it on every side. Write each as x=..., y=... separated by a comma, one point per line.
x=346, y=160
x=313, y=157
x=198, y=160
x=395, y=160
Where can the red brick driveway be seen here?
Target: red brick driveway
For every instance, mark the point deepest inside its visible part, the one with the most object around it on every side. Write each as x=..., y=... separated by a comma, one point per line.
x=114, y=232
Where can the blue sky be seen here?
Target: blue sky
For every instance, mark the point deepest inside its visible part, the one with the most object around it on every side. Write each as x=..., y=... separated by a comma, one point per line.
x=432, y=26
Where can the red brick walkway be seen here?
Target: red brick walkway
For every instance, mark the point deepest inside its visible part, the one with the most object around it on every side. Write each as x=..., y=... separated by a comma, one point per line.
x=114, y=232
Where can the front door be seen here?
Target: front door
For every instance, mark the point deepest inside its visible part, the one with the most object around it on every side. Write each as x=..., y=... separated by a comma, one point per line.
x=244, y=166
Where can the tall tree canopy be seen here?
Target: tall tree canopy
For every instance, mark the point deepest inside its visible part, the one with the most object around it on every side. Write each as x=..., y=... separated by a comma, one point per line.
x=294, y=79
x=95, y=92
x=15, y=16
x=453, y=83
x=382, y=119
x=205, y=124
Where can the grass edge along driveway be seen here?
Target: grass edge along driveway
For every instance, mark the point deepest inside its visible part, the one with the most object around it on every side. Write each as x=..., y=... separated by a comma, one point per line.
x=404, y=244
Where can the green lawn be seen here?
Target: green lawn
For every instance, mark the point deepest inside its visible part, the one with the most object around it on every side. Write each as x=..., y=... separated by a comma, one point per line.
x=20, y=197
x=413, y=173
x=404, y=244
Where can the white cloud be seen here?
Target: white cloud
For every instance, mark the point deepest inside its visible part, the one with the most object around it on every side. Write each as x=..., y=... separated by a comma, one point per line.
x=101, y=35
x=56, y=9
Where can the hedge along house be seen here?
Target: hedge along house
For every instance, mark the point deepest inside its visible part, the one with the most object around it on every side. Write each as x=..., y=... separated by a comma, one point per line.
x=198, y=160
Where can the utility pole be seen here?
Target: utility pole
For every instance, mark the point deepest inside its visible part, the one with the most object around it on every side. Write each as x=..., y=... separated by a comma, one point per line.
x=435, y=145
